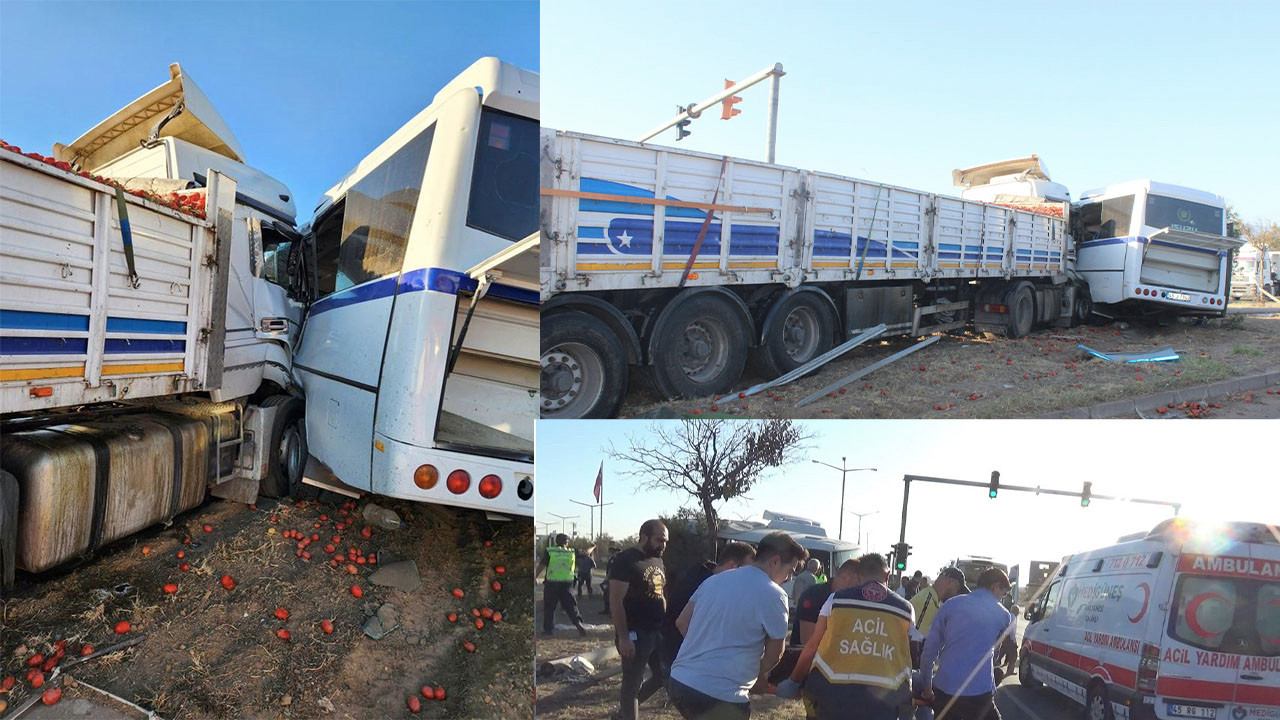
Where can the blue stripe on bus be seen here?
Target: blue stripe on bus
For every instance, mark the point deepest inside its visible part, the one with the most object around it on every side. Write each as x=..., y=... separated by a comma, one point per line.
x=437, y=279
x=25, y=320
x=43, y=346
x=141, y=325
x=1114, y=241
x=124, y=346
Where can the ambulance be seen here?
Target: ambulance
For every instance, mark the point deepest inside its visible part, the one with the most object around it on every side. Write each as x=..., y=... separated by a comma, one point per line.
x=1179, y=622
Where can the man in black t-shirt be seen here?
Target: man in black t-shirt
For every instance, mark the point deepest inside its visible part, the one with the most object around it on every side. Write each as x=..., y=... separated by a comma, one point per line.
x=637, y=595
x=811, y=602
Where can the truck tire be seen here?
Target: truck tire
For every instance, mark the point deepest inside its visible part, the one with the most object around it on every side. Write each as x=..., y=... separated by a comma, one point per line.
x=1025, y=678
x=8, y=531
x=800, y=331
x=701, y=348
x=287, y=451
x=1022, y=311
x=1083, y=307
x=1097, y=704
x=584, y=368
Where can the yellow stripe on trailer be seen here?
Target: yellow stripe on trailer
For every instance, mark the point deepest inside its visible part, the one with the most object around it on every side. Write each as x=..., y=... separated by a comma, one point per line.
x=142, y=369
x=46, y=373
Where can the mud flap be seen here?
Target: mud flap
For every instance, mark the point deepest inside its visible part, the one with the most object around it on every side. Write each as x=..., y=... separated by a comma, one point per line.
x=8, y=530
x=241, y=490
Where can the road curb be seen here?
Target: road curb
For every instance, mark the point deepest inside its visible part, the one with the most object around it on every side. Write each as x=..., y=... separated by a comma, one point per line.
x=1199, y=393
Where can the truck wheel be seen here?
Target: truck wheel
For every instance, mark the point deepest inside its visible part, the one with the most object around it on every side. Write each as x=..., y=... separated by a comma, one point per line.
x=1025, y=677
x=1083, y=307
x=701, y=348
x=800, y=331
x=8, y=531
x=1098, y=703
x=584, y=368
x=1022, y=311
x=287, y=453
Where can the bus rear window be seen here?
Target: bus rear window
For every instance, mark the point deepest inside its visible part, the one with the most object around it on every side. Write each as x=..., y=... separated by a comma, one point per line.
x=1232, y=615
x=504, y=181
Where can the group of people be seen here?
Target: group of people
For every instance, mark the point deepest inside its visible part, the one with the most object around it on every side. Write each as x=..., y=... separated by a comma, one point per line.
x=861, y=649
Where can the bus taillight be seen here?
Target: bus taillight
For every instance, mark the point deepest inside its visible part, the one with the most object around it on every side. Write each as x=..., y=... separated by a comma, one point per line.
x=490, y=486
x=426, y=476
x=458, y=482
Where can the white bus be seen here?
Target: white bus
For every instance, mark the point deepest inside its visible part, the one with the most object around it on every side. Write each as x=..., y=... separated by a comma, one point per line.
x=1154, y=247
x=419, y=355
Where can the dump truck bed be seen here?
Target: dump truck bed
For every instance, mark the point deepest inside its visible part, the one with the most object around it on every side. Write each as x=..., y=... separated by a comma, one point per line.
x=769, y=224
x=74, y=327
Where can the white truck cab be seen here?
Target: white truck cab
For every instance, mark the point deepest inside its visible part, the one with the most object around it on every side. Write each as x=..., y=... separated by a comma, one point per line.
x=1179, y=622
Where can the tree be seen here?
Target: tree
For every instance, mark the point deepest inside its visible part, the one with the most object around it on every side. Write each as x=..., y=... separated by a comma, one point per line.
x=710, y=460
x=1235, y=226
x=1264, y=235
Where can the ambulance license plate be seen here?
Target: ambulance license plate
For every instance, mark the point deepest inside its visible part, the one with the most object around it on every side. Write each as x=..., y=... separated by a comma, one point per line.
x=1184, y=298
x=1192, y=711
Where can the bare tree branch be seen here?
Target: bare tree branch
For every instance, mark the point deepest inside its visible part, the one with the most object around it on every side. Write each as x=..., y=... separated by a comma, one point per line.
x=712, y=461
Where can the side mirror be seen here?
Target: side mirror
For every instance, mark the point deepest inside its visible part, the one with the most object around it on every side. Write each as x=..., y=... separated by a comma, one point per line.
x=1231, y=229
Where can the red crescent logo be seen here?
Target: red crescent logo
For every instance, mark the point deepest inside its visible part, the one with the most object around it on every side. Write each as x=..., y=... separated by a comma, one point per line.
x=1193, y=609
x=1146, y=600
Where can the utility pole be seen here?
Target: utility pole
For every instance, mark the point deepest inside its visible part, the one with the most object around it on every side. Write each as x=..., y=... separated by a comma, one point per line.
x=844, y=472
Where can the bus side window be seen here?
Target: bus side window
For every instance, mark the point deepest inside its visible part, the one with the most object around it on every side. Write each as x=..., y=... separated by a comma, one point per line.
x=325, y=244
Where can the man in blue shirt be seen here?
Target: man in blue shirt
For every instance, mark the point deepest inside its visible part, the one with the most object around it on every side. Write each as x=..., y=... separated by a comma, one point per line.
x=962, y=641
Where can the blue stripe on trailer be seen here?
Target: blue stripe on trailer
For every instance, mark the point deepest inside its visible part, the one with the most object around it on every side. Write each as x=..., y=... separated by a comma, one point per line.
x=26, y=320
x=127, y=346
x=619, y=207
x=634, y=237
x=143, y=325
x=43, y=346
x=590, y=232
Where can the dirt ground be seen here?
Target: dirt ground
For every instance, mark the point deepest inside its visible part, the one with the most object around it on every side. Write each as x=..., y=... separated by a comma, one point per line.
x=971, y=375
x=210, y=652
x=566, y=699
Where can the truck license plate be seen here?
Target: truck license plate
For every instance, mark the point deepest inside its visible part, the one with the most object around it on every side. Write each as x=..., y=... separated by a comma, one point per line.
x=1184, y=298
x=1192, y=711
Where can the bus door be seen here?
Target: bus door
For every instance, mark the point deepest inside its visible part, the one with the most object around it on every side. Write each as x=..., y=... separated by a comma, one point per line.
x=357, y=247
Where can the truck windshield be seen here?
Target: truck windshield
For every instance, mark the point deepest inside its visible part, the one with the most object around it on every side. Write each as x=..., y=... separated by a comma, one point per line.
x=504, y=181
x=1167, y=212
x=1234, y=615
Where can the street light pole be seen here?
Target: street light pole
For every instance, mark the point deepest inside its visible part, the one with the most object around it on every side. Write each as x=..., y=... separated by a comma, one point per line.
x=844, y=472
x=860, y=516
x=562, y=519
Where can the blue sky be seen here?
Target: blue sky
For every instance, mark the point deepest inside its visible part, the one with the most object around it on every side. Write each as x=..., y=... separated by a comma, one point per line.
x=1221, y=471
x=309, y=88
x=1179, y=92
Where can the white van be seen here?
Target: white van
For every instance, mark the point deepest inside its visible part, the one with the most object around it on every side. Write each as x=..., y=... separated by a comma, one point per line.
x=1180, y=622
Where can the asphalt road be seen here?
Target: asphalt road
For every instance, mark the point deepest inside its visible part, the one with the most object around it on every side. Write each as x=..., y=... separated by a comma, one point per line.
x=1021, y=703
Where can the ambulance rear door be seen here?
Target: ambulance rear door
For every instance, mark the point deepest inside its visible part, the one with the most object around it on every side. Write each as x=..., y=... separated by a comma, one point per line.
x=1258, y=681
x=1206, y=631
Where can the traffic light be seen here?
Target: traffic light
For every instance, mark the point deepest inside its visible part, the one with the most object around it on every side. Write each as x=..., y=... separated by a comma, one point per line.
x=727, y=109
x=995, y=484
x=682, y=127
x=1084, y=495
x=900, y=553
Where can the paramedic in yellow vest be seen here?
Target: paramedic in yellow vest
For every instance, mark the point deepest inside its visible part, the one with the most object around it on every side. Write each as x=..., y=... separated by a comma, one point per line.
x=857, y=663
x=559, y=562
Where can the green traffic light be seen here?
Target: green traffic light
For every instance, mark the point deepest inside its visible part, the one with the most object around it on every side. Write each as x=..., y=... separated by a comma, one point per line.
x=991, y=493
x=1084, y=502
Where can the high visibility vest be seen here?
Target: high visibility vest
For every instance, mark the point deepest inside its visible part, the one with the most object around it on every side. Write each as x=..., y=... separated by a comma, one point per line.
x=561, y=566
x=866, y=650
